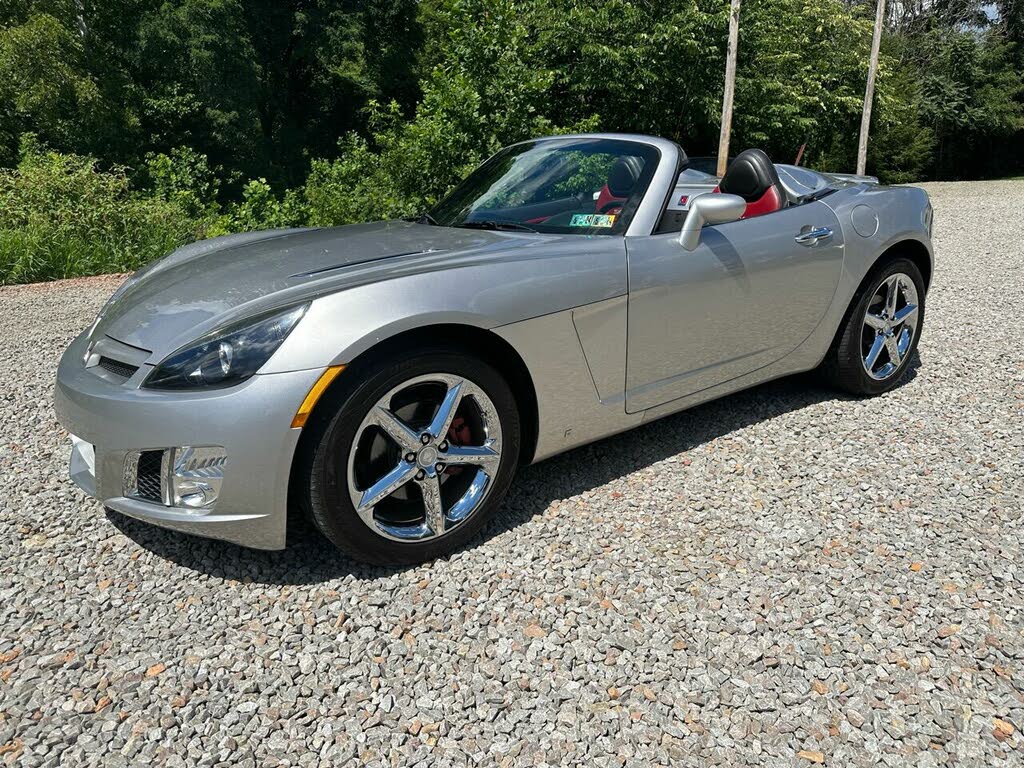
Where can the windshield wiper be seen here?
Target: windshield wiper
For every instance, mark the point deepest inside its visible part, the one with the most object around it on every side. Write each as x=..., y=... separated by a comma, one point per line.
x=423, y=218
x=513, y=226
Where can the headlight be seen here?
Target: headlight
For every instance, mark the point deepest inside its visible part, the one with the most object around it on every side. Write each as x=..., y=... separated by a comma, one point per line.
x=227, y=356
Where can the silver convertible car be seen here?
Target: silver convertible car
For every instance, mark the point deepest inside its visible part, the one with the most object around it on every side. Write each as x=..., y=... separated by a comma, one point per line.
x=389, y=378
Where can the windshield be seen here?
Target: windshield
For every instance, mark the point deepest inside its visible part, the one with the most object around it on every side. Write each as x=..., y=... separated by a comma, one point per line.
x=566, y=186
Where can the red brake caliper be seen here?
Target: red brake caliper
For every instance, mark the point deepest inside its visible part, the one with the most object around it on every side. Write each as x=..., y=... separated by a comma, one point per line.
x=458, y=434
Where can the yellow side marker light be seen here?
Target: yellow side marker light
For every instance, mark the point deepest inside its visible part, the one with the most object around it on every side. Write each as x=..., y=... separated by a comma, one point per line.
x=314, y=394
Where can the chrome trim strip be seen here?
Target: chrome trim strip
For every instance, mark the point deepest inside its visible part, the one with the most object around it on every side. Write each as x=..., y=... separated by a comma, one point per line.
x=130, y=474
x=166, y=468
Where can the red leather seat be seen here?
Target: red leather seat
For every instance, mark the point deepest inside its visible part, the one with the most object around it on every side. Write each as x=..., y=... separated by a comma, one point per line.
x=753, y=177
x=622, y=177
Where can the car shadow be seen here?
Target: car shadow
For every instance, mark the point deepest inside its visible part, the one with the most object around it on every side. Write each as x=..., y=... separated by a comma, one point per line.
x=310, y=559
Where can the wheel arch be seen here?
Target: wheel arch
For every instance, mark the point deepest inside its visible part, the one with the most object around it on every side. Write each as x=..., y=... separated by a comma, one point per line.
x=909, y=248
x=475, y=340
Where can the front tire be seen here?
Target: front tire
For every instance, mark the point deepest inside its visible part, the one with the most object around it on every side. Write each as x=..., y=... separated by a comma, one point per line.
x=880, y=333
x=416, y=456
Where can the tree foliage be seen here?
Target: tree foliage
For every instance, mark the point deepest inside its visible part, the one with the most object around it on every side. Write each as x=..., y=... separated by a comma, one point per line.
x=207, y=116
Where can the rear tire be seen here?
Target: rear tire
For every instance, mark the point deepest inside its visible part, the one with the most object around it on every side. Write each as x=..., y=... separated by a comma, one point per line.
x=880, y=332
x=378, y=431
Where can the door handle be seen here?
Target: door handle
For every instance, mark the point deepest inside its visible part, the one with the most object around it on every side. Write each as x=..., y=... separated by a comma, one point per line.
x=814, y=235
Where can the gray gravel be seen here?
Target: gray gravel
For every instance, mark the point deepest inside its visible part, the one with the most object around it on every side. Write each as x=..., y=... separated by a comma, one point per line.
x=783, y=578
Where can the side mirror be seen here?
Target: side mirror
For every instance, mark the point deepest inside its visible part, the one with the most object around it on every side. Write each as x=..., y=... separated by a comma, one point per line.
x=709, y=209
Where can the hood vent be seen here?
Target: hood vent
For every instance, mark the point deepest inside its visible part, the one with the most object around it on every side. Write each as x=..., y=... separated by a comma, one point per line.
x=118, y=368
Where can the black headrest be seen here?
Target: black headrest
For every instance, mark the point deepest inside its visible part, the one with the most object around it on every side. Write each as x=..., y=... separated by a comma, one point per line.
x=750, y=175
x=623, y=175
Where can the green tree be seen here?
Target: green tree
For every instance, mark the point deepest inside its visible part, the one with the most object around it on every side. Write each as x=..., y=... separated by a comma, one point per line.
x=220, y=115
x=258, y=87
x=45, y=86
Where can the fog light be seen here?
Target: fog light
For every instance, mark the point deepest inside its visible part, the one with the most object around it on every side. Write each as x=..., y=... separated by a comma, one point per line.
x=196, y=476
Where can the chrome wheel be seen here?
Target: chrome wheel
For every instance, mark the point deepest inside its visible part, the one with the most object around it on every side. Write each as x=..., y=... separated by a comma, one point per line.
x=424, y=457
x=890, y=324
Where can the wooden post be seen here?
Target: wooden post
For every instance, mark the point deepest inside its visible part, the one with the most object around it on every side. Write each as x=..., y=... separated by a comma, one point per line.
x=869, y=93
x=730, y=86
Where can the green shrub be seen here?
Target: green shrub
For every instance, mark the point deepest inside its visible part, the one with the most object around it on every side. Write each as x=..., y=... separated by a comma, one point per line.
x=184, y=177
x=410, y=166
x=61, y=216
x=262, y=209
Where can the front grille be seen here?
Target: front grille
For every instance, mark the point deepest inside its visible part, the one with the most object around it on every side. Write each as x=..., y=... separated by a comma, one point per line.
x=116, y=367
x=149, y=480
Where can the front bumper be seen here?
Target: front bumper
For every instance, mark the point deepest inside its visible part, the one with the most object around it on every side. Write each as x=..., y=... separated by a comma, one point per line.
x=251, y=421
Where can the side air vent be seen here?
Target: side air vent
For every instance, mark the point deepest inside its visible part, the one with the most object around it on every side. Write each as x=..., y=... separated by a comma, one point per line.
x=116, y=367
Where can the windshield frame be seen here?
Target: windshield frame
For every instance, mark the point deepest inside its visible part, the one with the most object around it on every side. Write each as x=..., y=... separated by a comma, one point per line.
x=464, y=194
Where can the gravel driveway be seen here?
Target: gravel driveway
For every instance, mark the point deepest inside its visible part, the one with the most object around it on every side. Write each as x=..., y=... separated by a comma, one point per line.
x=783, y=578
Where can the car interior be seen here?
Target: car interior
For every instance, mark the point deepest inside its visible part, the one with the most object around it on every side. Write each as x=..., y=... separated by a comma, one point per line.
x=753, y=176
x=622, y=181
x=622, y=178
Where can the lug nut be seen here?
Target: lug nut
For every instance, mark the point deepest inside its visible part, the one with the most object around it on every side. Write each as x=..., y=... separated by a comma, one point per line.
x=410, y=457
x=420, y=475
x=443, y=446
x=425, y=438
x=439, y=466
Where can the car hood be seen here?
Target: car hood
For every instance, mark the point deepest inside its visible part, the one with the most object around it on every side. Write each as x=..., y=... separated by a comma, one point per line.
x=203, y=285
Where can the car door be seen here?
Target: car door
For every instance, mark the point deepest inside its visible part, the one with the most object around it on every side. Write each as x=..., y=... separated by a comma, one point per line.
x=750, y=293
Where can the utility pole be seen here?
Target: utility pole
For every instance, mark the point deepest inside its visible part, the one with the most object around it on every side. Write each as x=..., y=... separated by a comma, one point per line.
x=869, y=93
x=730, y=86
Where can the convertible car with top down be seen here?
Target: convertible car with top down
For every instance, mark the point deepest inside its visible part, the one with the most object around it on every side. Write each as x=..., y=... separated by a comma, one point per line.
x=388, y=378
